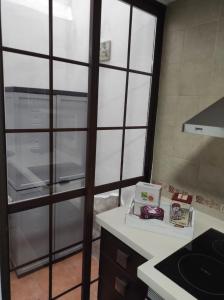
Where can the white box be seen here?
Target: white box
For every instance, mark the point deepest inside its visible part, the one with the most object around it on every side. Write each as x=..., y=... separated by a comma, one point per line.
x=148, y=193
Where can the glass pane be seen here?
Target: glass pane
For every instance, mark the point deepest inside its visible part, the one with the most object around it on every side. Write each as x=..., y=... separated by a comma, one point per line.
x=66, y=274
x=127, y=195
x=94, y=291
x=70, y=77
x=138, y=100
x=71, y=29
x=111, y=97
x=69, y=160
x=103, y=202
x=68, y=225
x=25, y=25
x=29, y=239
x=29, y=245
x=95, y=259
x=26, y=91
x=108, y=156
x=142, y=40
x=134, y=153
x=31, y=286
x=114, y=31
x=70, y=110
x=27, y=165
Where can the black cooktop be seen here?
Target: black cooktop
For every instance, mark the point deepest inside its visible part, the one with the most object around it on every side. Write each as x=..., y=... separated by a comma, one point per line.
x=198, y=267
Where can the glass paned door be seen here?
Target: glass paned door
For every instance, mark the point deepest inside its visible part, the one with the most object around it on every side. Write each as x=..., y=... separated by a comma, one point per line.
x=46, y=67
x=126, y=68
x=79, y=83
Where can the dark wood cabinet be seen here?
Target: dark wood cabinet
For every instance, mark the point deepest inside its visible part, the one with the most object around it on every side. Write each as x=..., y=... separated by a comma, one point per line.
x=118, y=271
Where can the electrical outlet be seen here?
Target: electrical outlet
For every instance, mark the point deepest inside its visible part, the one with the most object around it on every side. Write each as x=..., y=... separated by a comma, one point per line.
x=222, y=208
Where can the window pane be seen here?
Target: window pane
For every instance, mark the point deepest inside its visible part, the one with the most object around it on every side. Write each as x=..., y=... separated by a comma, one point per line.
x=25, y=25
x=70, y=77
x=67, y=273
x=26, y=91
x=71, y=29
x=127, y=195
x=70, y=110
x=95, y=259
x=35, y=283
x=70, y=160
x=114, y=28
x=138, y=100
x=94, y=291
x=108, y=156
x=27, y=165
x=111, y=97
x=29, y=239
x=67, y=235
x=68, y=225
x=142, y=40
x=134, y=153
x=103, y=202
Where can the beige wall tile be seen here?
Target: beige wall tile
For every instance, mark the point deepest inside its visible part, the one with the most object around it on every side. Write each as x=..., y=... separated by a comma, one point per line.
x=166, y=112
x=210, y=181
x=169, y=79
x=216, y=88
x=219, y=45
x=183, y=14
x=213, y=153
x=174, y=41
x=199, y=43
x=195, y=78
x=165, y=139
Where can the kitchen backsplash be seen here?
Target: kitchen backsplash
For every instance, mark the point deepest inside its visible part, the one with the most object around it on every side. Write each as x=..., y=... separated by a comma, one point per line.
x=192, y=74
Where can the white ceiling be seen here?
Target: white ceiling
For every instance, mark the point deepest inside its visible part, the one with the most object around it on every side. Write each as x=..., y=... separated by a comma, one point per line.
x=166, y=1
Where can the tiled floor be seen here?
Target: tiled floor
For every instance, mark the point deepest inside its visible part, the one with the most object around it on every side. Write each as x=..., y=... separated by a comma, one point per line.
x=65, y=274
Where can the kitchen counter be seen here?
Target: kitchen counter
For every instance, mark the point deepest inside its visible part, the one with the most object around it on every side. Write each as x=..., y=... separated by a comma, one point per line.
x=155, y=248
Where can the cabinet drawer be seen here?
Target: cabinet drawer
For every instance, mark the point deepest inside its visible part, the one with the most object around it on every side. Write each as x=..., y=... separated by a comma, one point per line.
x=121, y=254
x=115, y=284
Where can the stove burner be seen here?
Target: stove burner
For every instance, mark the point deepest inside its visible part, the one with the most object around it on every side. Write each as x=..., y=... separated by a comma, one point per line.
x=203, y=273
x=218, y=247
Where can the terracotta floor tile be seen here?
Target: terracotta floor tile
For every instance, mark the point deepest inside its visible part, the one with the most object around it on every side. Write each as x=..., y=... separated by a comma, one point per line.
x=73, y=295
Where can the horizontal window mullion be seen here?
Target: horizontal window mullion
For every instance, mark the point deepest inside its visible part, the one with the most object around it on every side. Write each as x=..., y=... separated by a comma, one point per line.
x=125, y=69
x=25, y=52
x=44, y=56
x=27, y=130
x=122, y=127
x=45, y=200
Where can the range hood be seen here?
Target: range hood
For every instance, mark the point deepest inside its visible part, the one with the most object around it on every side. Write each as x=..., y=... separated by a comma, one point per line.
x=208, y=122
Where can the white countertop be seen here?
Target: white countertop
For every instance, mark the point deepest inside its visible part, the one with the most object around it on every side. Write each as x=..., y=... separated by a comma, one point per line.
x=155, y=247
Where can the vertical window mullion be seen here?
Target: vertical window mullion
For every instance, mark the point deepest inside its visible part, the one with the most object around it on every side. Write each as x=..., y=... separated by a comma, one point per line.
x=94, y=48
x=154, y=96
x=126, y=97
x=51, y=143
x=4, y=227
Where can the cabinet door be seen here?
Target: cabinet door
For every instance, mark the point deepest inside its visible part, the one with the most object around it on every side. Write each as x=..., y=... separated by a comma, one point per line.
x=116, y=284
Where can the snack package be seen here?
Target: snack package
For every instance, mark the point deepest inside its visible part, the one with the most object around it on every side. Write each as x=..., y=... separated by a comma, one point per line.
x=180, y=209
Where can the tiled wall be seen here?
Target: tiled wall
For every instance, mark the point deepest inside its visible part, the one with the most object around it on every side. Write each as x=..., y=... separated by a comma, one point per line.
x=192, y=78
